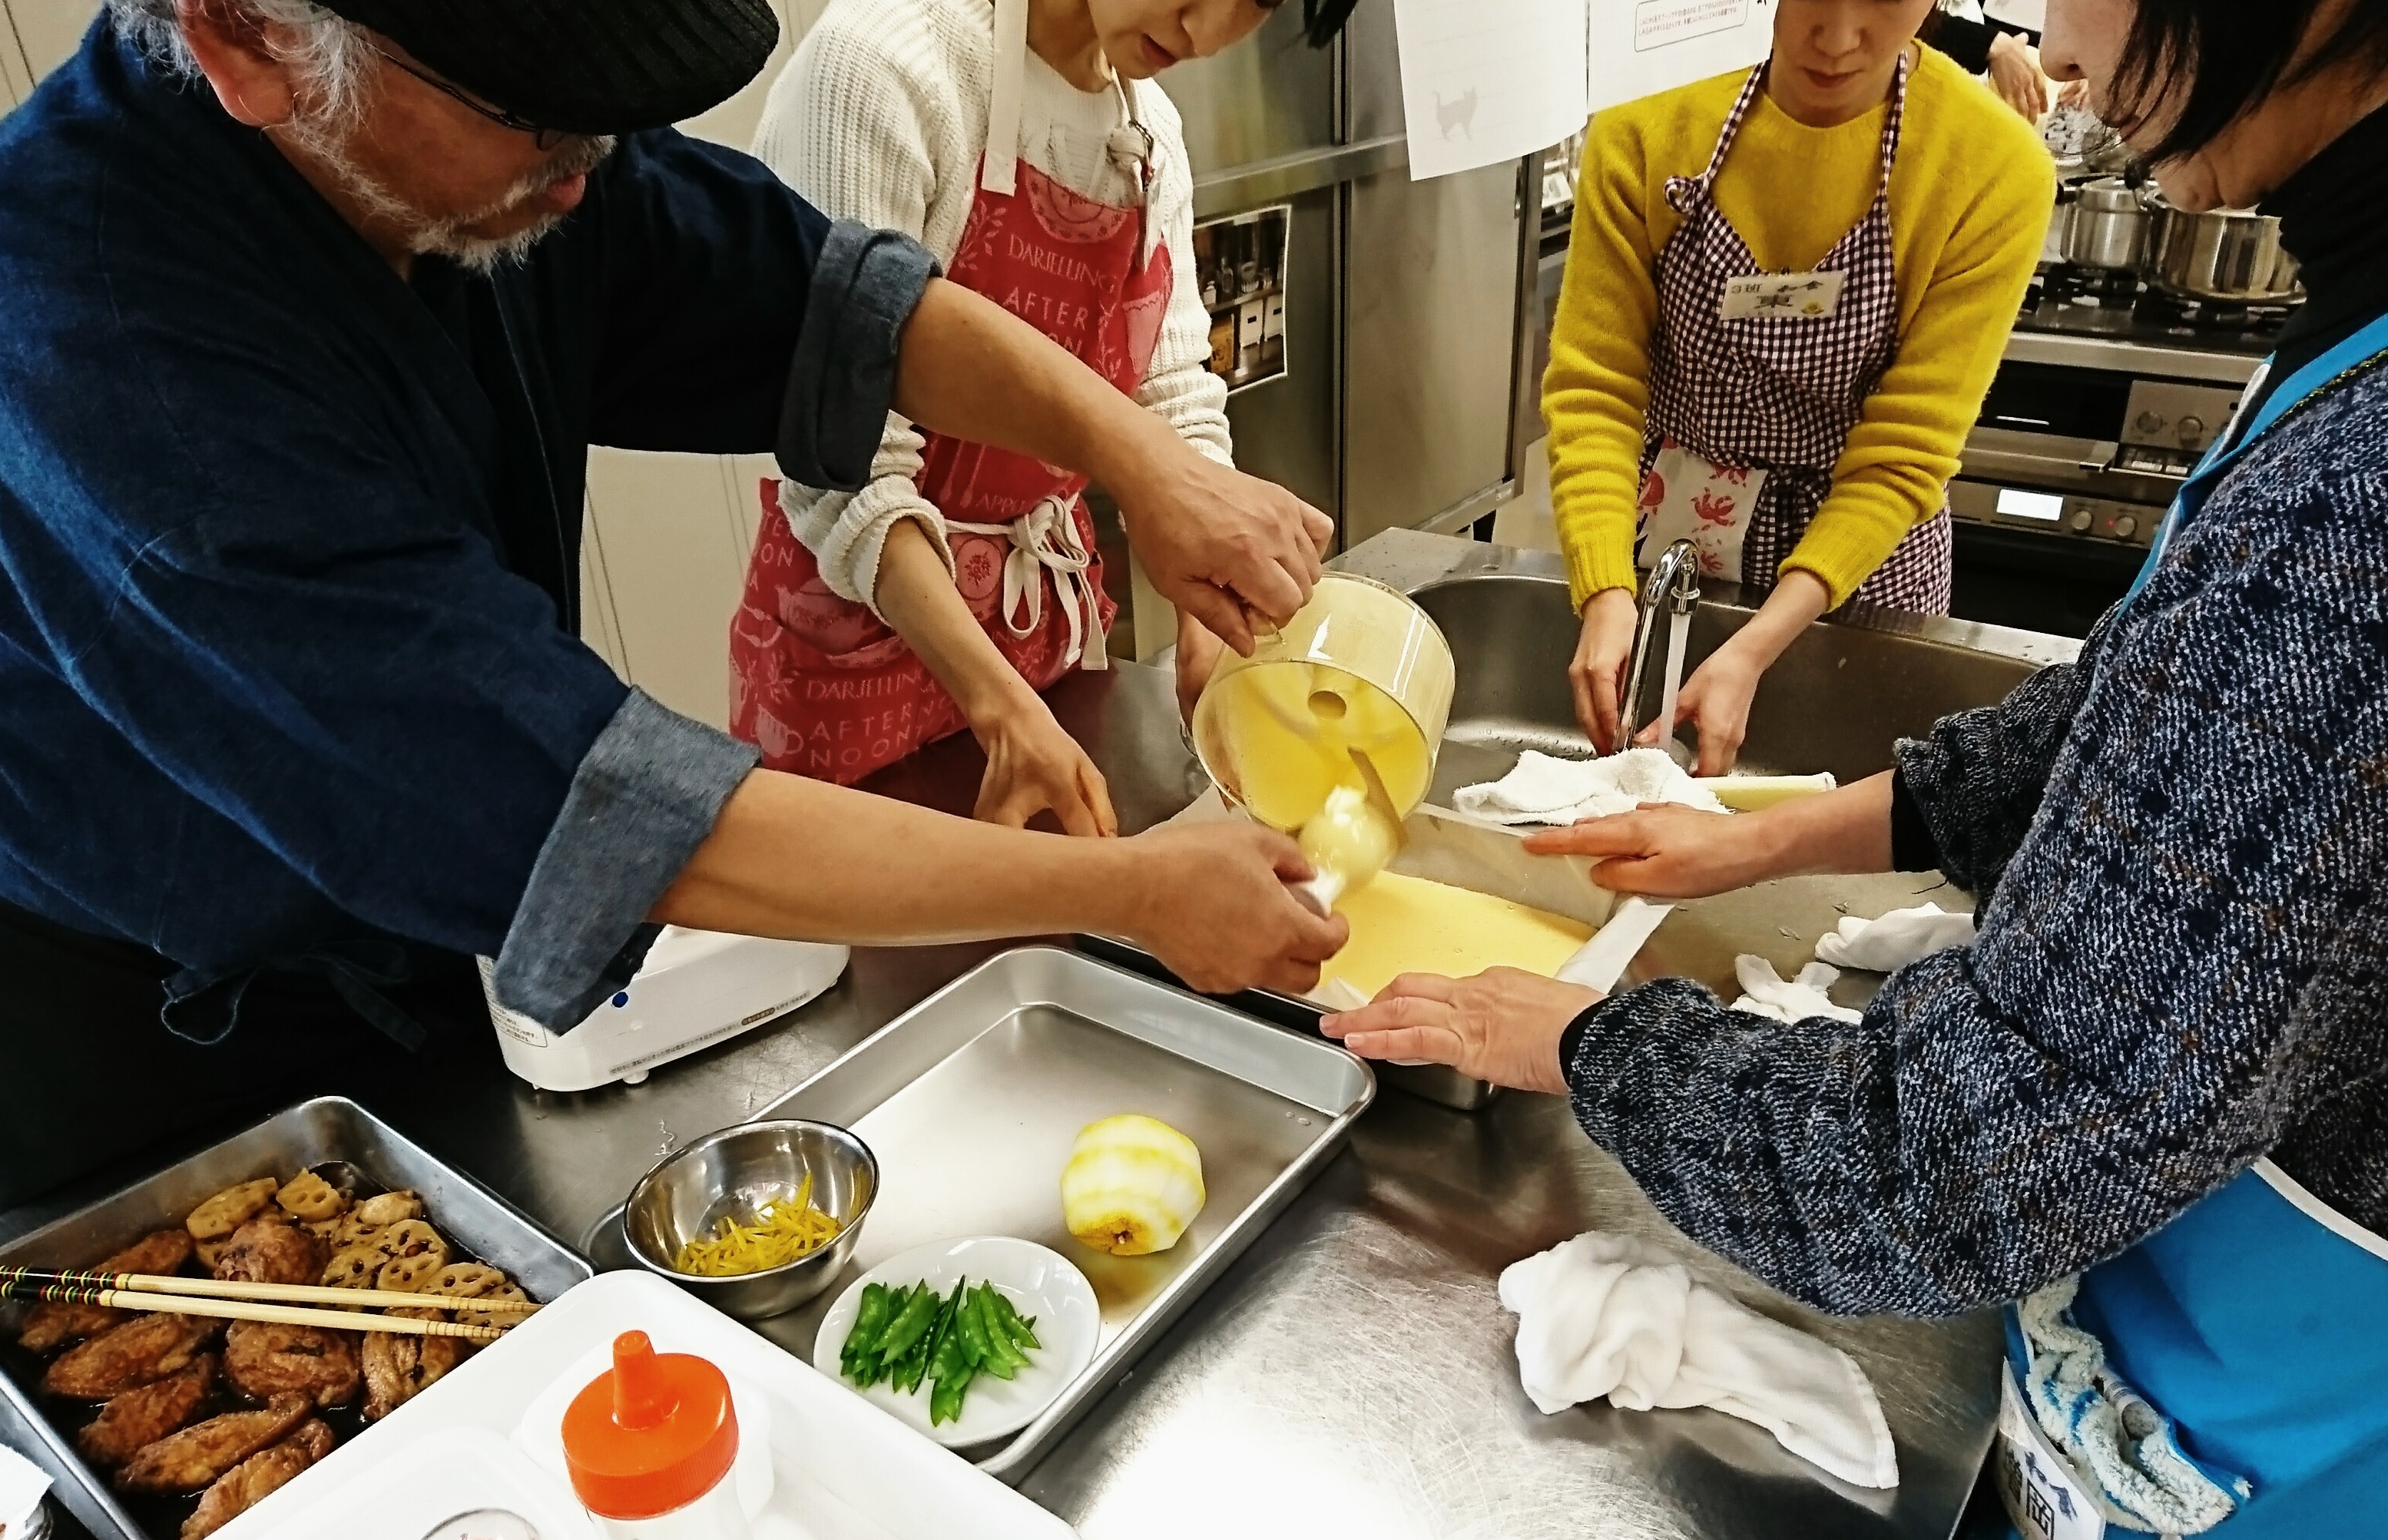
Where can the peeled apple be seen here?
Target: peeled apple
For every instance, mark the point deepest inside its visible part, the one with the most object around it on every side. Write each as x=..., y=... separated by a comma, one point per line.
x=1132, y=1186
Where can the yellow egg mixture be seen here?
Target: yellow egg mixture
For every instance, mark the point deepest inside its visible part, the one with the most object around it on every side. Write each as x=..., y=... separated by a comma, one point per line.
x=1409, y=925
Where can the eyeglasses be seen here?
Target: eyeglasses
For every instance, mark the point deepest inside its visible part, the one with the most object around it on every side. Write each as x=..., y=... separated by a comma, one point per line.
x=545, y=139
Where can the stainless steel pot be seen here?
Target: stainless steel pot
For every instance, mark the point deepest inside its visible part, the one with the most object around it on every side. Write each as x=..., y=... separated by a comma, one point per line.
x=2111, y=227
x=2225, y=254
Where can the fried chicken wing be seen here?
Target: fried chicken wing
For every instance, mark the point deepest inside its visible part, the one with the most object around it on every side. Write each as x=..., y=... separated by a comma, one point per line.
x=398, y=1369
x=250, y=1482
x=196, y=1456
x=145, y=1416
x=270, y=1249
x=144, y=1349
x=50, y=1327
x=263, y=1360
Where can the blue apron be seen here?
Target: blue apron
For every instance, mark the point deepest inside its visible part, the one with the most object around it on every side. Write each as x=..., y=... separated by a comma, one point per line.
x=2256, y=1324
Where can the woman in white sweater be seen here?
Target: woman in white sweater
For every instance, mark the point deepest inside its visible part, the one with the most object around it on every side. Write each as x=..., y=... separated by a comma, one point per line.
x=1023, y=143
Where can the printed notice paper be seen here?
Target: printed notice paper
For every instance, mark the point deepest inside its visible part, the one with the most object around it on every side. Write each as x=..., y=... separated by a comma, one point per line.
x=1637, y=47
x=1489, y=80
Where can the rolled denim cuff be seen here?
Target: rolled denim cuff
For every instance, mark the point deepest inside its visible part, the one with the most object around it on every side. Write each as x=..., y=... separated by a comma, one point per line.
x=841, y=383
x=645, y=796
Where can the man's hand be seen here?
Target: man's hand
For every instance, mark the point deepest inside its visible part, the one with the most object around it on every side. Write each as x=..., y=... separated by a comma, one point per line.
x=1032, y=765
x=1598, y=674
x=1213, y=905
x=1502, y=1026
x=1236, y=553
x=1665, y=851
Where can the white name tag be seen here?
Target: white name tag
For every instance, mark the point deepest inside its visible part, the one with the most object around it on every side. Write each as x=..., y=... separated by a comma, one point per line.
x=1783, y=296
x=2042, y=1496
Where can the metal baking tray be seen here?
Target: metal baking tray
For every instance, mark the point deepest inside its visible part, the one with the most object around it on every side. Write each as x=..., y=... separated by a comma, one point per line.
x=970, y=1101
x=1437, y=1083
x=327, y=1129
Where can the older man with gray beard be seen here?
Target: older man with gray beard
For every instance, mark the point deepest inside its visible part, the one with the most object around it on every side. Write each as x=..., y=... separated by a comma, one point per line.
x=312, y=313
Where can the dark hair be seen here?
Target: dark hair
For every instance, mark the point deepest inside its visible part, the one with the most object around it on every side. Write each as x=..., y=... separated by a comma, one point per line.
x=2222, y=59
x=1321, y=19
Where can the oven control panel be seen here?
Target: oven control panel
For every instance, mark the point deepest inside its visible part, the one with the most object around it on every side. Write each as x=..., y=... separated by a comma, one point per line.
x=2055, y=515
x=2174, y=423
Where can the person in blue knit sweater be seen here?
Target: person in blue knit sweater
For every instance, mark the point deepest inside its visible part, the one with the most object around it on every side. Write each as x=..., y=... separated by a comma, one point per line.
x=2147, y=1110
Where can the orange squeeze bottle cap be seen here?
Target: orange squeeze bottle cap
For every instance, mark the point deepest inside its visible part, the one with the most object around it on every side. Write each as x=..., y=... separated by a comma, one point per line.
x=651, y=1436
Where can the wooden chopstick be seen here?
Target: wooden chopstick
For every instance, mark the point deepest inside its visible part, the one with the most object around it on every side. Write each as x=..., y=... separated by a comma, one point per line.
x=287, y=1294
x=279, y=1315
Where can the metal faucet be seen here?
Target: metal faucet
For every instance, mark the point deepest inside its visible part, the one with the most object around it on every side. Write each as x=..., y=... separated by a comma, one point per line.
x=1674, y=587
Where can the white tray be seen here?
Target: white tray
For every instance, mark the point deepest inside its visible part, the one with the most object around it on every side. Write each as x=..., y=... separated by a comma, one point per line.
x=843, y=1469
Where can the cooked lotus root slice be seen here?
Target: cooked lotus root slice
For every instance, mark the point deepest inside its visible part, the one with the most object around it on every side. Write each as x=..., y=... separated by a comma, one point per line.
x=389, y=1208
x=407, y=1275
x=310, y=1198
x=410, y=1238
x=355, y=1267
x=230, y=1209
x=500, y=1318
x=327, y=1232
x=465, y=1281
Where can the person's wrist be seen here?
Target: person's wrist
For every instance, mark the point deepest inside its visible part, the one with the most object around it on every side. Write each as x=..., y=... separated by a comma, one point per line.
x=1130, y=460
x=998, y=706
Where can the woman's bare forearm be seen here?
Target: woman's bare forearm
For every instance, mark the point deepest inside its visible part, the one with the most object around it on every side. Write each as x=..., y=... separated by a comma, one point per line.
x=1845, y=830
x=918, y=597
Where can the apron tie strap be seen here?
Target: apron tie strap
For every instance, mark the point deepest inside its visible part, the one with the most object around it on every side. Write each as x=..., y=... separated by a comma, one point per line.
x=204, y=1007
x=1045, y=539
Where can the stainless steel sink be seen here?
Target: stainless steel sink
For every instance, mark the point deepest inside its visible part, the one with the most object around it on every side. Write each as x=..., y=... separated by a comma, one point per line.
x=1839, y=698
x=1836, y=700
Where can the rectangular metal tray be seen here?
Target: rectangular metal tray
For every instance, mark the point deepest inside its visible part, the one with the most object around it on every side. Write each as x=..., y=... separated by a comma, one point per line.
x=1437, y=1083
x=971, y=1099
x=327, y=1129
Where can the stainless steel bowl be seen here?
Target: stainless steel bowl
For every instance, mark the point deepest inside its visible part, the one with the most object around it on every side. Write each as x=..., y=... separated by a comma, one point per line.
x=736, y=1171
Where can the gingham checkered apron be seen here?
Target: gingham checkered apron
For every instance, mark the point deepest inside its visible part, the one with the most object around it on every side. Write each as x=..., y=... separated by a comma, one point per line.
x=1782, y=394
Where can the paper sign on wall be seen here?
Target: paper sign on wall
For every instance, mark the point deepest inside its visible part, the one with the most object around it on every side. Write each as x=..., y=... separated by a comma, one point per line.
x=1489, y=80
x=1637, y=47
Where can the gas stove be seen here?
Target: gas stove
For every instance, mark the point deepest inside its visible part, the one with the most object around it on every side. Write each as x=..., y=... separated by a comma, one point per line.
x=2109, y=394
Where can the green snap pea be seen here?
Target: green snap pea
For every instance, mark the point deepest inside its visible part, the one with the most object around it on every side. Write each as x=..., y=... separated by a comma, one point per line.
x=1003, y=1360
x=920, y=1312
x=1021, y=1331
x=869, y=1324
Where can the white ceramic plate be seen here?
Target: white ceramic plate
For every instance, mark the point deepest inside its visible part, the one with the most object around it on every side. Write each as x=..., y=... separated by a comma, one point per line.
x=1038, y=1281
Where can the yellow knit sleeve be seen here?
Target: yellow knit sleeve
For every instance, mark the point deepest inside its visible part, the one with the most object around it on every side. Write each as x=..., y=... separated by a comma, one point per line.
x=1894, y=470
x=1598, y=388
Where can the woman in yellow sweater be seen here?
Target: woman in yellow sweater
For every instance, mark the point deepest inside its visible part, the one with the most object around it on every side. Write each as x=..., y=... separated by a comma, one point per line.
x=1786, y=295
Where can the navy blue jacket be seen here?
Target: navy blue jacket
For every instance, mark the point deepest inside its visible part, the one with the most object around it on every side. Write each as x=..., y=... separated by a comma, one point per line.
x=288, y=646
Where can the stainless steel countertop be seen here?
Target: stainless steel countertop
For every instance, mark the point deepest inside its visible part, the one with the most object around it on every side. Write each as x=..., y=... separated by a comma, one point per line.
x=1354, y=1374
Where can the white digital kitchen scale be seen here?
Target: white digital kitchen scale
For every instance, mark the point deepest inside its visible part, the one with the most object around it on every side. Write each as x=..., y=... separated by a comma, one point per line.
x=695, y=989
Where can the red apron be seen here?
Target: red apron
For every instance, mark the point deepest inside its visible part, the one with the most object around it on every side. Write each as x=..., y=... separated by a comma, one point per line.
x=823, y=685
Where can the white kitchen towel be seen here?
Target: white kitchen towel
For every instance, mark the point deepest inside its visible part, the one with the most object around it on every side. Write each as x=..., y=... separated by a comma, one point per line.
x=23, y=1484
x=1543, y=789
x=1612, y=1316
x=1767, y=993
x=1887, y=944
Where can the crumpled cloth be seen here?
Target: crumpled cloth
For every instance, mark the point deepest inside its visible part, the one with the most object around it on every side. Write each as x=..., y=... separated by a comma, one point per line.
x=1887, y=944
x=1767, y=993
x=1612, y=1316
x=2129, y=1451
x=23, y=1484
x=1543, y=789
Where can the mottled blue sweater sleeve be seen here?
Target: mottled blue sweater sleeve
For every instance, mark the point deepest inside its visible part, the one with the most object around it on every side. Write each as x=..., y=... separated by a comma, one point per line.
x=1975, y=781
x=2179, y=973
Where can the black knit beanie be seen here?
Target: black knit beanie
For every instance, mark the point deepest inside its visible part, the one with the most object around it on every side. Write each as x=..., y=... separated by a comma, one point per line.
x=583, y=65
